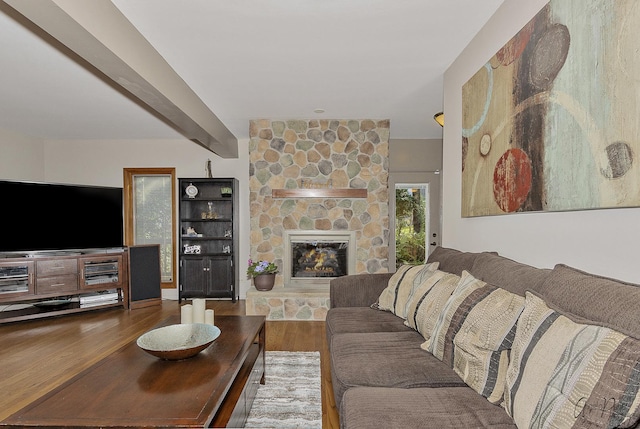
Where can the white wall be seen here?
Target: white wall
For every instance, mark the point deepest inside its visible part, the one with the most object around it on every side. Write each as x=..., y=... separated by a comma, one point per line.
x=604, y=242
x=96, y=162
x=21, y=157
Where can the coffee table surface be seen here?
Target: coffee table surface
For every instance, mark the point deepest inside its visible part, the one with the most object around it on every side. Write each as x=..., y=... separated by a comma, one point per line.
x=131, y=388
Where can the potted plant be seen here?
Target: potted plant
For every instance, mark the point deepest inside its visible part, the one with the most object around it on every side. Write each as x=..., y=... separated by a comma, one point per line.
x=263, y=274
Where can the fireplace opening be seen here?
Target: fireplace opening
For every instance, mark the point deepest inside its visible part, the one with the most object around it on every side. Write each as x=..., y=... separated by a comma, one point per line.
x=315, y=257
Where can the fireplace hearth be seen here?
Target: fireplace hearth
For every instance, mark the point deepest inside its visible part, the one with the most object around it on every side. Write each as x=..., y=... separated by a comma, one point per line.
x=313, y=258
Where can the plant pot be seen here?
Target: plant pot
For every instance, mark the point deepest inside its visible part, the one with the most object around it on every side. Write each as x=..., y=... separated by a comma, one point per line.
x=264, y=282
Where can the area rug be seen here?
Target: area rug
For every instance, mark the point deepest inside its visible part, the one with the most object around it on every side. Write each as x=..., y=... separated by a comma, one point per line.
x=291, y=396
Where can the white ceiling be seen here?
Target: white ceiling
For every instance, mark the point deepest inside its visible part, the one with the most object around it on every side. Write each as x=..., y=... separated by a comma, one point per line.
x=248, y=59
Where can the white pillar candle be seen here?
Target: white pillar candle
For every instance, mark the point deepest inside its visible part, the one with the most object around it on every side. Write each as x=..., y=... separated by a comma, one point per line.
x=198, y=310
x=208, y=317
x=186, y=313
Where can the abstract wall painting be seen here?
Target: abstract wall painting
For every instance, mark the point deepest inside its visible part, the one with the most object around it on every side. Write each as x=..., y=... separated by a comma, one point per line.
x=552, y=121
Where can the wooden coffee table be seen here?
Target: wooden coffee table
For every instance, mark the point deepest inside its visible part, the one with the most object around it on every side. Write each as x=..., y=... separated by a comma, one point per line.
x=131, y=388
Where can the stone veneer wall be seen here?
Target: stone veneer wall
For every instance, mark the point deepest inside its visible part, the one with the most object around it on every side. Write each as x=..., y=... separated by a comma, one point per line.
x=347, y=153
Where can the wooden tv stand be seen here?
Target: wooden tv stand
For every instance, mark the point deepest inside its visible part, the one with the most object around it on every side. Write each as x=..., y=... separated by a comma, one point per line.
x=34, y=286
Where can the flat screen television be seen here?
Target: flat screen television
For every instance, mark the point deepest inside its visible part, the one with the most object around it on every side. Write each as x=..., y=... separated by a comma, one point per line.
x=49, y=216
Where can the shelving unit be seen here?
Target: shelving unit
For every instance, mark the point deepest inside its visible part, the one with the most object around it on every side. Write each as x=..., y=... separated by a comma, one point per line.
x=208, y=238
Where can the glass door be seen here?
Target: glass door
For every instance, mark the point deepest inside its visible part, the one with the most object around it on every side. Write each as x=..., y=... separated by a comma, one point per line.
x=415, y=217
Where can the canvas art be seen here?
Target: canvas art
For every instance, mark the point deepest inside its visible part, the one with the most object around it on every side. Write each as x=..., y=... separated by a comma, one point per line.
x=551, y=122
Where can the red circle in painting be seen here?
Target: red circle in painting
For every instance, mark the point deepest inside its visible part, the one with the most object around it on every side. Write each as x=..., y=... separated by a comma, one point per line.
x=512, y=180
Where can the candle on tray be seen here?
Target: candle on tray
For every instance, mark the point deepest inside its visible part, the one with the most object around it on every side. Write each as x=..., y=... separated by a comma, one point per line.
x=186, y=313
x=199, y=305
x=208, y=317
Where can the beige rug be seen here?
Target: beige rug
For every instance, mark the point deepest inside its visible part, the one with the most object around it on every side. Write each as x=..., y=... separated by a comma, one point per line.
x=291, y=396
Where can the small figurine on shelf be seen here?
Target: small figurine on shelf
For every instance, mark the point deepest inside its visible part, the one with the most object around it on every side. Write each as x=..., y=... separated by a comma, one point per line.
x=191, y=232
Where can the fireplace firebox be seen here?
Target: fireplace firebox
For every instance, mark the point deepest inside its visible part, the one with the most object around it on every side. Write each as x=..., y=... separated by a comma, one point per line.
x=313, y=258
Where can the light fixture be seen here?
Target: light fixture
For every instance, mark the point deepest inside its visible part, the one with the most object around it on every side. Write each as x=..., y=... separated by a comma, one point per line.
x=439, y=118
x=319, y=110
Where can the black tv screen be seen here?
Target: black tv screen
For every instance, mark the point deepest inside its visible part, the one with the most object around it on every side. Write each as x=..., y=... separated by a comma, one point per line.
x=46, y=216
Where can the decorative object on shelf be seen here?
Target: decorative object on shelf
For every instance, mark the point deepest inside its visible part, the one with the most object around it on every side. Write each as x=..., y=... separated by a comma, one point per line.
x=177, y=342
x=191, y=232
x=191, y=191
x=207, y=168
x=211, y=213
x=226, y=249
x=263, y=273
x=228, y=233
x=192, y=249
x=226, y=191
x=310, y=184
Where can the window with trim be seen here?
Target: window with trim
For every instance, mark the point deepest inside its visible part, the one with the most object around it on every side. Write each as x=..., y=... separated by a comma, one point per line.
x=150, y=214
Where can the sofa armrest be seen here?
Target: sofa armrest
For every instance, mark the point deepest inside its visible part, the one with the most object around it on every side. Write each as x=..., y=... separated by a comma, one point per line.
x=358, y=290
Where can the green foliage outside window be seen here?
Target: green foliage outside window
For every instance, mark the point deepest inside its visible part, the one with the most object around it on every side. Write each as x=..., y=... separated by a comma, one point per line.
x=410, y=227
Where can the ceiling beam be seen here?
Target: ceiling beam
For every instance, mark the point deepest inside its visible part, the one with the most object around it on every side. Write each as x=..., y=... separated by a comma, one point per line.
x=98, y=32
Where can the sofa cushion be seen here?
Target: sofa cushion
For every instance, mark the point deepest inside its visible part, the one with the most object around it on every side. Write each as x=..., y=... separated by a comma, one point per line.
x=441, y=408
x=394, y=297
x=600, y=300
x=474, y=334
x=357, y=290
x=428, y=300
x=567, y=374
x=508, y=274
x=385, y=359
x=452, y=260
x=360, y=320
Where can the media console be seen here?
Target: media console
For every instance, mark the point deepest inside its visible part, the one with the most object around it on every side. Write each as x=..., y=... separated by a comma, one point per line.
x=36, y=285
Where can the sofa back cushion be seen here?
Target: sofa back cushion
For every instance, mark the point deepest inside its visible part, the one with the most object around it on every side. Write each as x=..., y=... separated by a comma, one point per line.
x=508, y=274
x=565, y=374
x=474, y=333
x=594, y=299
x=452, y=260
x=401, y=285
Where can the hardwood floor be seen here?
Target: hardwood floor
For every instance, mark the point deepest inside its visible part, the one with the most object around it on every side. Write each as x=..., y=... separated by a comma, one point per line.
x=36, y=356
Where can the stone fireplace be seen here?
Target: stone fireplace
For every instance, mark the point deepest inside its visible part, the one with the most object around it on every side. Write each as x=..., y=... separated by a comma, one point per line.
x=313, y=258
x=316, y=178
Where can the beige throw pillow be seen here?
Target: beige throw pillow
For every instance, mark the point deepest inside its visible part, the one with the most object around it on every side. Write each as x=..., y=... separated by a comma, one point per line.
x=565, y=374
x=474, y=334
x=400, y=287
x=427, y=301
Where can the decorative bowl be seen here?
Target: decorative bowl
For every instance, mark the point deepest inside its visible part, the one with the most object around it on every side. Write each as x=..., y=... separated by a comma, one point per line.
x=176, y=342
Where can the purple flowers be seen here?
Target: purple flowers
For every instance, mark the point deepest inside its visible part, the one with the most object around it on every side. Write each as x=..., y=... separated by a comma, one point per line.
x=261, y=267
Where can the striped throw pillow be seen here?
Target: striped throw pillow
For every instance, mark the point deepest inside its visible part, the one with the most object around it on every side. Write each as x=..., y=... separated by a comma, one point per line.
x=427, y=301
x=474, y=333
x=565, y=374
x=400, y=287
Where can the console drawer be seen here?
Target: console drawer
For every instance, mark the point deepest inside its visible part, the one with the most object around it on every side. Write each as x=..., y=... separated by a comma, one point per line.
x=68, y=283
x=56, y=267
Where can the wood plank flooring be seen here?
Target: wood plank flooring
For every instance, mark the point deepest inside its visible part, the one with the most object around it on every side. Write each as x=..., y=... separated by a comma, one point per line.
x=36, y=356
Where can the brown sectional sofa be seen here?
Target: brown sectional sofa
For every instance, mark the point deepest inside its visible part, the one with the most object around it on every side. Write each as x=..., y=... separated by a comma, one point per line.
x=382, y=377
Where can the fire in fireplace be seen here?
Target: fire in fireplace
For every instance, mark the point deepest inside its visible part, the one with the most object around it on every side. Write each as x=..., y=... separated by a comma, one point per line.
x=315, y=257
